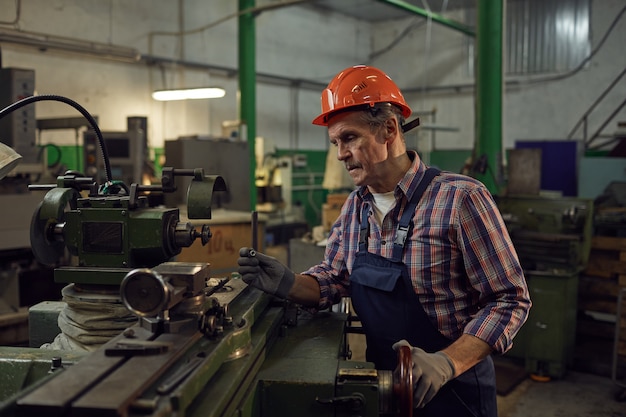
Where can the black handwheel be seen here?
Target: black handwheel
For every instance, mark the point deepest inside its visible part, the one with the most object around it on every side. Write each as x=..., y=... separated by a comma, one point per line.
x=50, y=213
x=46, y=251
x=403, y=383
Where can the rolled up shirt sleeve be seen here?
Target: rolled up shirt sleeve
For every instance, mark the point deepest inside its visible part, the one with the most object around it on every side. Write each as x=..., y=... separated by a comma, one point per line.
x=332, y=273
x=494, y=271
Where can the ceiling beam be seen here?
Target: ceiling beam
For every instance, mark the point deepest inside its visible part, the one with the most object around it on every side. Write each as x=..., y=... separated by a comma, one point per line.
x=453, y=24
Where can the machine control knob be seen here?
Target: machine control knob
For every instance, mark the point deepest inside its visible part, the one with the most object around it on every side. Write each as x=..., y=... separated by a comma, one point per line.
x=185, y=234
x=145, y=293
x=353, y=403
x=205, y=234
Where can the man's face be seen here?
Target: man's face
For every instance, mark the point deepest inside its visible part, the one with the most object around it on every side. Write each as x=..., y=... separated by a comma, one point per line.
x=361, y=149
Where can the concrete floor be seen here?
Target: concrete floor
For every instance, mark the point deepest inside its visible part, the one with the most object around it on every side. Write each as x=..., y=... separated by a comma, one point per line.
x=578, y=394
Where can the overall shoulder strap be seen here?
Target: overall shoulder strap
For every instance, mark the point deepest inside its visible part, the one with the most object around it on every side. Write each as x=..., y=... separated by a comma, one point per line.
x=407, y=216
x=364, y=230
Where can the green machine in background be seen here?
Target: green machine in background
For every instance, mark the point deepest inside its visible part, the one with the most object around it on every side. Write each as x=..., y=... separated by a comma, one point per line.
x=552, y=237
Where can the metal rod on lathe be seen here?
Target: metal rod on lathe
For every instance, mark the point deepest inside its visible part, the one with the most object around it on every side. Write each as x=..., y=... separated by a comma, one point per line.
x=255, y=228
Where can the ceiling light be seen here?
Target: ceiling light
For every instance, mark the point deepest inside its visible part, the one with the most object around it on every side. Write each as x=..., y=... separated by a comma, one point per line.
x=188, y=94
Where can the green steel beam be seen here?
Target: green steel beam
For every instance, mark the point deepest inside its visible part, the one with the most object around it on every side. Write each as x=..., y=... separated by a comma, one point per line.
x=488, y=80
x=247, y=88
x=430, y=15
x=489, y=88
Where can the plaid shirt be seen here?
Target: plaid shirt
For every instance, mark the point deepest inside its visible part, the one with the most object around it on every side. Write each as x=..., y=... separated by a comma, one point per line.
x=459, y=255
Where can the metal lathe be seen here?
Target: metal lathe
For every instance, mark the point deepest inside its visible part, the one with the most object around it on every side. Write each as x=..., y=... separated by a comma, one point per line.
x=197, y=345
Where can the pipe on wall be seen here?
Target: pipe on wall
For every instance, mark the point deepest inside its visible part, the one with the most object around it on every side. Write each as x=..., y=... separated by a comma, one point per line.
x=489, y=82
x=452, y=24
x=247, y=88
x=489, y=78
x=488, y=85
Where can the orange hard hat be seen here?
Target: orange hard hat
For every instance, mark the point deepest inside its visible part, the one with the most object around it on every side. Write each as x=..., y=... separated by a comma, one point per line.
x=357, y=86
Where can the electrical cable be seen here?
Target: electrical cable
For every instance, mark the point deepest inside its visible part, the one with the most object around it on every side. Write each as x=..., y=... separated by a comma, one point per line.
x=50, y=97
x=584, y=61
x=253, y=10
x=394, y=42
x=405, y=32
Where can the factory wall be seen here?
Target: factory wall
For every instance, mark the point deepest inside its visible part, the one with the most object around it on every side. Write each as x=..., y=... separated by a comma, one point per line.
x=430, y=54
x=431, y=57
x=295, y=42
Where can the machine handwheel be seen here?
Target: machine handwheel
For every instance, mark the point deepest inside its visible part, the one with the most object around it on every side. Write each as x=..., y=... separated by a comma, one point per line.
x=47, y=251
x=403, y=383
x=50, y=212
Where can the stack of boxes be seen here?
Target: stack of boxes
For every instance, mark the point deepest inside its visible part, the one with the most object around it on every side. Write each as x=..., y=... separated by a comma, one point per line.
x=332, y=208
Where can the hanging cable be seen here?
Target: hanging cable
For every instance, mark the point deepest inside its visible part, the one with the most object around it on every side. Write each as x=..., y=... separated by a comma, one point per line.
x=253, y=10
x=584, y=61
x=92, y=122
x=414, y=25
x=397, y=39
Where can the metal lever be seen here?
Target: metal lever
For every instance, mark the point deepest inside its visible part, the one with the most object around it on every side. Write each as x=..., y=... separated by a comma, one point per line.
x=354, y=402
x=254, y=226
x=173, y=381
x=137, y=348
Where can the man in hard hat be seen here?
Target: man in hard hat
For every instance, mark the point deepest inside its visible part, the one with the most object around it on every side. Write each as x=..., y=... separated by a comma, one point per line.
x=423, y=254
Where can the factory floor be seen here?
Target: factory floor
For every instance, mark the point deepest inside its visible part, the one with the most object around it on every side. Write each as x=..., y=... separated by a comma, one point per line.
x=577, y=394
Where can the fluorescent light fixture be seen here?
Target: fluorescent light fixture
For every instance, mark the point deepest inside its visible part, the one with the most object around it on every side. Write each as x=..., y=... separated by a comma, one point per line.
x=188, y=94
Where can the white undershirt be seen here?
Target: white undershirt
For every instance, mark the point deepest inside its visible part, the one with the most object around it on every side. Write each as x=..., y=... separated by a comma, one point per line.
x=382, y=204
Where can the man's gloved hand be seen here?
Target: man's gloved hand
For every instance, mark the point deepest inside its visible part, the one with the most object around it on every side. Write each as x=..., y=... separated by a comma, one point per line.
x=265, y=273
x=430, y=372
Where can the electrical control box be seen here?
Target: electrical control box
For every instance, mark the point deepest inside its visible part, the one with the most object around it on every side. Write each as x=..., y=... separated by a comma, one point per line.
x=127, y=151
x=230, y=158
x=19, y=128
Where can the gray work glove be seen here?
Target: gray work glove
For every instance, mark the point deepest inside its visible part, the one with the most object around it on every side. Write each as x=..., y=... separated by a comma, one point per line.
x=265, y=273
x=430, y=372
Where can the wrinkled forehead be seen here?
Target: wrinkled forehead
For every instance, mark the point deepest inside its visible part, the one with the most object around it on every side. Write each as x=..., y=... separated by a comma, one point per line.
x=347, y=123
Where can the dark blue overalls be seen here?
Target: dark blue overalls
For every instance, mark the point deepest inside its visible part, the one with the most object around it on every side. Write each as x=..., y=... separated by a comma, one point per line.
x=389, y=309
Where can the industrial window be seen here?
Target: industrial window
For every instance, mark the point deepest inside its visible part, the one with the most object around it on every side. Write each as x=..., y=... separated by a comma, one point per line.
x=542, y=36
